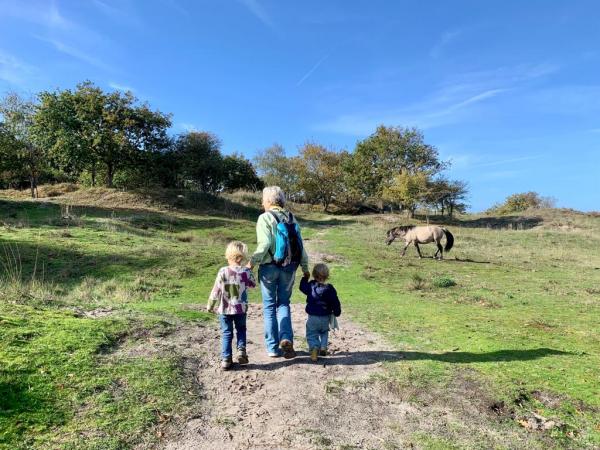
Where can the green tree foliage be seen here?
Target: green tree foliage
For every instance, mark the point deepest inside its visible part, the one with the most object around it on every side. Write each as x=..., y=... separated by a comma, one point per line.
x=389, y=152
x=276, y=169
x=200, y=160
x=239, y=173
x=90, y=130
x=447, y=195
x=320, y=174
x=20, y=146
x=522, y=201
x=407, y=189
x=9, y=158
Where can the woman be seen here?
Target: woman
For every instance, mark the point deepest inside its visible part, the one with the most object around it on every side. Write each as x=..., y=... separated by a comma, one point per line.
x=276, y=283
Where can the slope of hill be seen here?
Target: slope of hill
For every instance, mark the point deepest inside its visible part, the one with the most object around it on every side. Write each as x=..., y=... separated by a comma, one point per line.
x=101, y=319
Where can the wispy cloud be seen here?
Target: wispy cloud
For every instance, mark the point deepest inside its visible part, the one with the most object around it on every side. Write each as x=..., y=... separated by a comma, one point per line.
x=258, y=11
x=311, y=71
x=14, y=71
x=502, y=174
x=479, y=161
x=456, y=99
x=62, y=33
x=121, y=87
x=118, y=13
x=444, y=40
x=76, y=53
x=430, y=113
x=41, y=13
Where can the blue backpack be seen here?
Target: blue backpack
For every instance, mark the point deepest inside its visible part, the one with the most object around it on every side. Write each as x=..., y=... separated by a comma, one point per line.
x=288, y=243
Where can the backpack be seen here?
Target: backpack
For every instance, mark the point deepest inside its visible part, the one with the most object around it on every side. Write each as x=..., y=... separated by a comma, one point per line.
x=288, y=243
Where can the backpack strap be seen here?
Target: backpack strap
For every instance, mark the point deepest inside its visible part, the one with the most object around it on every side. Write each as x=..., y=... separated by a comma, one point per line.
x=274, y=215
x=290, y=217
x=277, y=221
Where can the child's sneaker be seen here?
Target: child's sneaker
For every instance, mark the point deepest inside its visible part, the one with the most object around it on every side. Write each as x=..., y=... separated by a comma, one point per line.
x=323, y=352
x=242, y=356
x=314, y=354
x=288, y=349
x=226, y=363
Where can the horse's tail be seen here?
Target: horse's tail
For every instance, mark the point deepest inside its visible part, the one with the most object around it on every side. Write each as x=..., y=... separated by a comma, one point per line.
x=449, y=239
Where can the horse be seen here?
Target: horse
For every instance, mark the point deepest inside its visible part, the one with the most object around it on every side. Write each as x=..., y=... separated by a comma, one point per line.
x=421, y=235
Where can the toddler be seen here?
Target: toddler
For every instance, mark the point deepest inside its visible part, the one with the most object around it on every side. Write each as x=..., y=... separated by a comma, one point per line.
x=231, y=300
x=321, y=302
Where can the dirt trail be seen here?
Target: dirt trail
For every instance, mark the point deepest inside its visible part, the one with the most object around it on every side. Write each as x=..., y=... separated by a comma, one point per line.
x=273, y=403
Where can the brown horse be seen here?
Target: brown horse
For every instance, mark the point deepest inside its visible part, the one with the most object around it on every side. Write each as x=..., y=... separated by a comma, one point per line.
x=421, y=235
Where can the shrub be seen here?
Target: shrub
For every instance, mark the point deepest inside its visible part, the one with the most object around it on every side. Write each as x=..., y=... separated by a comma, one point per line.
x=443, y=282
x=417, y=282
x=521, y=202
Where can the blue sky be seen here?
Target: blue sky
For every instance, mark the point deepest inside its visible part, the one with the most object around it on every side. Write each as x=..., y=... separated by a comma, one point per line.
x=508, y=90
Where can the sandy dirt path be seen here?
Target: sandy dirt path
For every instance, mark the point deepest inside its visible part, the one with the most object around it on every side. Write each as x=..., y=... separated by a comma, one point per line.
x=273, y=403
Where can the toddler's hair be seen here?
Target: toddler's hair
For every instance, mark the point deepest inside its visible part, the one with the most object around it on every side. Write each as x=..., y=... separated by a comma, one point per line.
x=236, y=250
x=320, y=272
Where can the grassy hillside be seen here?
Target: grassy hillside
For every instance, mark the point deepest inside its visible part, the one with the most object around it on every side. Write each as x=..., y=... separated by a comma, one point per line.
x=74, y=286
x=517, y=300
x=512, y=314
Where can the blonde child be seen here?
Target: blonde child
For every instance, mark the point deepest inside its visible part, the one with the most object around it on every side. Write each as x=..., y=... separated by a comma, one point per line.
x=231, y=300
x=321, y=302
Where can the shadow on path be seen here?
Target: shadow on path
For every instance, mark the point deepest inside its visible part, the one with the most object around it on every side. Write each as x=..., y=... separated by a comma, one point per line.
x=373, y=357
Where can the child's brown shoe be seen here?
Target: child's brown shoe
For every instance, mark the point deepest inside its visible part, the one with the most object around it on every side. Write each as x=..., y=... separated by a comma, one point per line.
x=314, y=354
x=323, y=352
x=242, y=356
x=226, y=363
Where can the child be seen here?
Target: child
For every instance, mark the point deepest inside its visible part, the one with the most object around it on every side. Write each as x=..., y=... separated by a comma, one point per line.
x=321, y=302
x=229, y=292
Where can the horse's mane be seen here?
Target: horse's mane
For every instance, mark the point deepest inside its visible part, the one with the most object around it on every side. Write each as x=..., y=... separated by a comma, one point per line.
x=405, y=227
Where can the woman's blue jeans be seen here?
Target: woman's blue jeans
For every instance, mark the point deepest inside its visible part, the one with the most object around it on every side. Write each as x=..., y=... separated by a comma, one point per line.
x=276, y=286
x=228, y=322
x=317, y=332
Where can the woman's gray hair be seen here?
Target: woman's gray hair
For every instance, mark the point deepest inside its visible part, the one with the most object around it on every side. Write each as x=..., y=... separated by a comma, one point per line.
x=274, y=195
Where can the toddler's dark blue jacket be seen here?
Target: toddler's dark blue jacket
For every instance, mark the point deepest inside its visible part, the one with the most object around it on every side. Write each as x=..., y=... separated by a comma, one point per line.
x=321, y=299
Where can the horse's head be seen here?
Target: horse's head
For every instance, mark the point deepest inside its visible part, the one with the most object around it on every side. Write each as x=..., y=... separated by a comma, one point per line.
x=391, y=235
x=397, y=232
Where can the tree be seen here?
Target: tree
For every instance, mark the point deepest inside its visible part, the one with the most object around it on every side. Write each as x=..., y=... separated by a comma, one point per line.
x=200, y=160
x=10, y=165
x=239, y=173
x=129, y=131
x=447, y=195
x=320, y=174
x=386, y=154
x=457, y=193
x=18, y=115
x=408, y=189
x=91, y=130
x=275, y=169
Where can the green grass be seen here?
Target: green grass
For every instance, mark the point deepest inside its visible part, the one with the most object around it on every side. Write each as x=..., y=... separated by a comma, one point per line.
x=521, y=313
x=61, y=382
x=518, y=308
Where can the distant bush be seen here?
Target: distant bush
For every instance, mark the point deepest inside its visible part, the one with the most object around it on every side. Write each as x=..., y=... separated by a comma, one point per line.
x=522, y=202
x=443, y=282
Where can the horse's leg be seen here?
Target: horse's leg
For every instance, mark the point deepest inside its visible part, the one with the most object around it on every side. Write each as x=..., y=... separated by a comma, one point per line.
x=404, y=249
x=418, y=249
x=440, y=250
